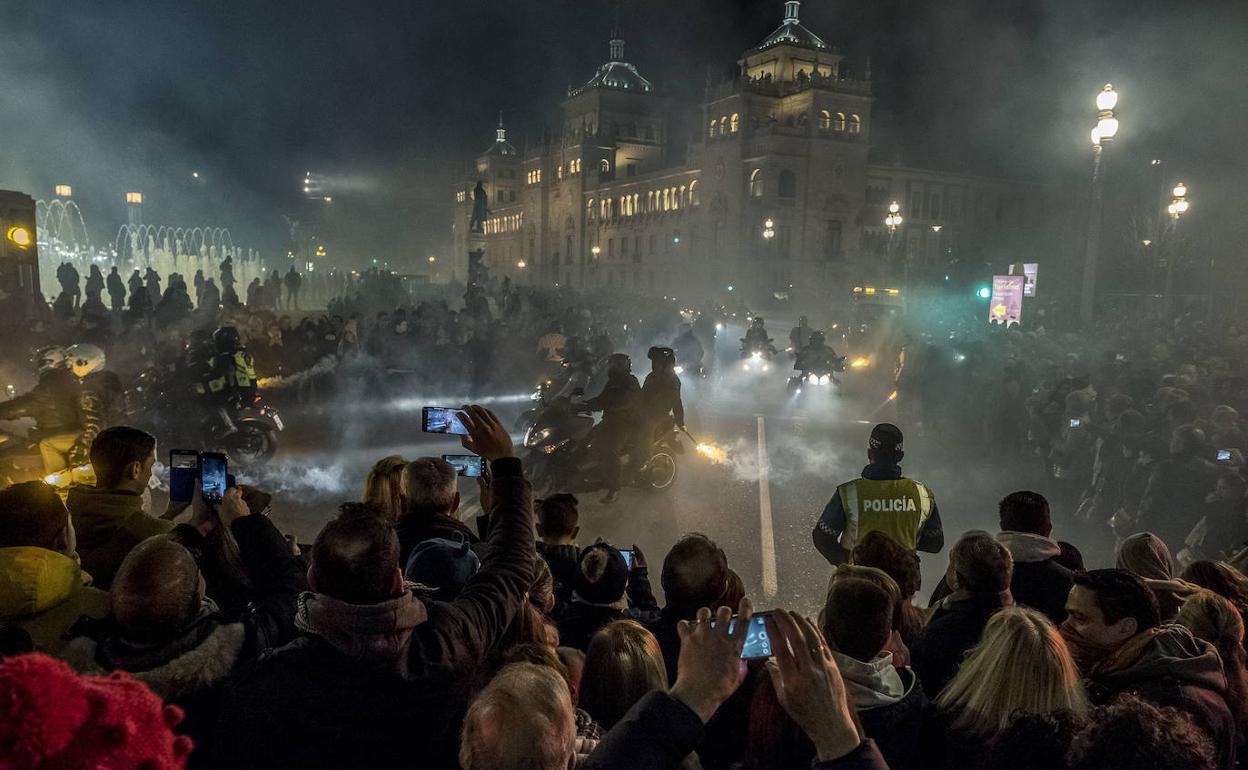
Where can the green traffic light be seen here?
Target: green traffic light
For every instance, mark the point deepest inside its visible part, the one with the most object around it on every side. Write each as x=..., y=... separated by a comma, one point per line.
x=983, y=292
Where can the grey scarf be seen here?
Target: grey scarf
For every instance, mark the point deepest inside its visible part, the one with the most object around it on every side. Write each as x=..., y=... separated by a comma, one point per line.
x=380, y=633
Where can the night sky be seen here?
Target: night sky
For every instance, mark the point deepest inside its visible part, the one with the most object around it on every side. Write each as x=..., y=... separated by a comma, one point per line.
x=382, y=96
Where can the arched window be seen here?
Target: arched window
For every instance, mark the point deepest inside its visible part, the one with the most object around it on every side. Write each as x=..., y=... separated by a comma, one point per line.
x=855, y=124
x=684, y=191
x=636, y=205
x=667, y=200
x=825, y=120
x=723, y=124
x=839, y=123
x=604, y=166
x=756, y=183
x=711, y=131
x=735, y=122
x=693, y=193
x=590, y=210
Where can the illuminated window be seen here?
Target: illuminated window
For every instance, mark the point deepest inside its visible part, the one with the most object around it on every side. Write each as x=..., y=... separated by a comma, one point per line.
x=650, y=201
x=636, y=202
x=681, y=200
x=855, y=124
x=839, y=123
x=710, y=133
x=693, y=193
x=604, y=166
x=667, y=200
x=559, y=171
x=590, y=210
x=756, y=183
x=723, y=124
x=825, y=120
x=735, y=123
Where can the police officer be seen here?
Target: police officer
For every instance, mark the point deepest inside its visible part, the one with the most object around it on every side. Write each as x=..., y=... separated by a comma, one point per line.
x=619, y=402
x=882, y=501
x=817, y=356
x=688, y=349
x=660, y=394
x=756, y=338
x=232, y=372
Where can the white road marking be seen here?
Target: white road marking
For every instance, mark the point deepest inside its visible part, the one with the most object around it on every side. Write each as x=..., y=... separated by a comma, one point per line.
x=767, y=535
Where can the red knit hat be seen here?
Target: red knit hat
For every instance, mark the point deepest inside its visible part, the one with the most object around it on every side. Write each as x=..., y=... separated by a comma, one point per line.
x=54, y=719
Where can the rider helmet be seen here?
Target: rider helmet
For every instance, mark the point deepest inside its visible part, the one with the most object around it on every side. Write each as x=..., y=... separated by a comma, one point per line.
x=85, y=359
x=53, y=357
x=757, y=322
x=619, y=362
x=661, y=355
x=226, y=339
x=816, y=338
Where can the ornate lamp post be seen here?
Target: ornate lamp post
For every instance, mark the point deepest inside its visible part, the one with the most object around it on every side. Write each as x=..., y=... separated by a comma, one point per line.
x=1104, y=132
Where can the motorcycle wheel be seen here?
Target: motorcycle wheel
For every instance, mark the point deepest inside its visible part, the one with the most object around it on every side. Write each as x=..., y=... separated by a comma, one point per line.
x=660, y=473
x=250, y=445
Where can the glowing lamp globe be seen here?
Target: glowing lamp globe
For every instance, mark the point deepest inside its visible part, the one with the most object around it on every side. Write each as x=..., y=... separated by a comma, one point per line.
x=1107, y=128
x=1180, y=190
x=983, y=292
x=1107, y=99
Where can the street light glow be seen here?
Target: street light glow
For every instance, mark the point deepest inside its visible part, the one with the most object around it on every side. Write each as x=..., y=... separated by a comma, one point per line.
x=595, y=250
x=894, y=207
x=134, y=197
x=432, y=259
x=522, y=264
x=1107, y=128
x=1180, y=190
x=1107, y=99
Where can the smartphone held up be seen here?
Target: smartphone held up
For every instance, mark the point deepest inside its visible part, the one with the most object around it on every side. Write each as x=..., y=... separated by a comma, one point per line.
x=469, y=466
x=443, y=419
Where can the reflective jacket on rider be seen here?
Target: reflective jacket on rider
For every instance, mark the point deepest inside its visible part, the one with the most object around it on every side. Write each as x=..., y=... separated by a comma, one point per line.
x=53, y=404
x=229, y=373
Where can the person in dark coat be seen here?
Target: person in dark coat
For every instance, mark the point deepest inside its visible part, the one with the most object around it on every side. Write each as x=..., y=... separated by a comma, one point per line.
x=606, y=589
x=1177, y=489
x=429, y=495
x=166, y=632
x=368, y=639
x=557, y=526
x=857, y=622
x=1114, y=631
x=1039, y=581
x=619, y=402
x=116, y=290
x=980, y=570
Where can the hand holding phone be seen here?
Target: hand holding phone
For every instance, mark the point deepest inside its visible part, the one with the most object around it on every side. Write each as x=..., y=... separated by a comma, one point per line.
x=628, y=557
x=1075, y=422
x=183, y=470
x=1224, y=455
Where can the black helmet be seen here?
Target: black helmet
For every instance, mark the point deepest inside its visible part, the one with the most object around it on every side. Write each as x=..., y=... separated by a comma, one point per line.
x=816, y=338
x=661, y=355
x=619, y=361
x=226, y=338
x=758, y=320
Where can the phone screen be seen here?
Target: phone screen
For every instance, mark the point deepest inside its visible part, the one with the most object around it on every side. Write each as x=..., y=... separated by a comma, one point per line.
x=465, y=465
x=1224, y=455
x=628, y=557
x=212, y=475
x=443, y=419
x=1075, y=422
x=183, y=468
x=757, y=641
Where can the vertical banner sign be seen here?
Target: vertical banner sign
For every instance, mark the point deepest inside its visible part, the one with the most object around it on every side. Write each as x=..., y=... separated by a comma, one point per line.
x=1030, y=269
x=1006, y=306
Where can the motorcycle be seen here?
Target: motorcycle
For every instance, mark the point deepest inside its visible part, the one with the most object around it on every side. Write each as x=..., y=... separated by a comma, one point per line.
x=559, y=453
x=756, y=356
x=245, y=432
x=817, y=373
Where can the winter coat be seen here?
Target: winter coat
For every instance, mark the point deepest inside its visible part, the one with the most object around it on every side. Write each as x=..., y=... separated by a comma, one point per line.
x=1039, y=581
x=891, y=705
x=109, y=523
x=1176, y=669
x=412, y=665
x=564, y=561
x=1174, y=498
x=53, y=404
x=44, y=593
x=582, y=620
x=944, y=747
x=955, y=627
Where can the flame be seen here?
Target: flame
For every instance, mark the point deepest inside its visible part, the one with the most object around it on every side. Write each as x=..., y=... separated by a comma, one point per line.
x=713, y=453
x=892, y=396
x=859, y=362
x=268, y=382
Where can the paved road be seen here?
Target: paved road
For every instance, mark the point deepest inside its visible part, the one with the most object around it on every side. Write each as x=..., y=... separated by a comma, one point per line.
x=784, y=458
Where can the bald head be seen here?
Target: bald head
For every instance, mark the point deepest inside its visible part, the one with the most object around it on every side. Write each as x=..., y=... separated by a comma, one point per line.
x=157, y=590
x=522, y=720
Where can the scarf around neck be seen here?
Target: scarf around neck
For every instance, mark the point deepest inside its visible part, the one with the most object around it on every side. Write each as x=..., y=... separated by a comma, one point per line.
x=379, y=632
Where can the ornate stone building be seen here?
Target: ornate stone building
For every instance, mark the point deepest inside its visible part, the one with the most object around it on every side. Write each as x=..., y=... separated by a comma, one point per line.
x=785, y=142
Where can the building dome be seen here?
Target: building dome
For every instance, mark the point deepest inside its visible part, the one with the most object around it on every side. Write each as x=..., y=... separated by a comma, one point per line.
x=792, y=32
x=617, y=74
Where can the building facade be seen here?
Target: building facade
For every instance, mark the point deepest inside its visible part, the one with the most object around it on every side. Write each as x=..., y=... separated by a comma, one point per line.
x=777, y=196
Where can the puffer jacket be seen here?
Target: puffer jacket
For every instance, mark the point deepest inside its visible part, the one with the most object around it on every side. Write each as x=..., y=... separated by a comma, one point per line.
x=44, y=593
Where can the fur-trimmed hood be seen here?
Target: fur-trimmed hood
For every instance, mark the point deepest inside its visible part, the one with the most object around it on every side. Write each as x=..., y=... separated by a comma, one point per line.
x=196, y=669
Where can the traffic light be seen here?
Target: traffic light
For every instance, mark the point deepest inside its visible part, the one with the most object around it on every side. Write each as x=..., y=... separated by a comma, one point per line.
x=20, y=236
x=19, y=253
x=984, y=292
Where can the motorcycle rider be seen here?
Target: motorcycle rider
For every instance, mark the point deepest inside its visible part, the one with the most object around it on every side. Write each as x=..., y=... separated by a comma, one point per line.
x=799, y=337
x=619, y=402
x=53, y=403
x=756, y=338
x=688, y=348
x=660, y=395
x=100, y=402
x=231, y=375
x=816, y=355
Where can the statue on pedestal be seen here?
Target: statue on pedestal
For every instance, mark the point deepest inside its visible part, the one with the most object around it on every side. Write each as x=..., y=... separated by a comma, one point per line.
x=479, y=210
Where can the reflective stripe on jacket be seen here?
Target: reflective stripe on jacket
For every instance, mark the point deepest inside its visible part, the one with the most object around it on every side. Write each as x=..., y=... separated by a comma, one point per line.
x=896, y=507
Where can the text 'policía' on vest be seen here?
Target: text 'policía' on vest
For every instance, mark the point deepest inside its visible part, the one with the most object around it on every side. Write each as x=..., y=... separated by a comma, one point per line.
x=894, y=505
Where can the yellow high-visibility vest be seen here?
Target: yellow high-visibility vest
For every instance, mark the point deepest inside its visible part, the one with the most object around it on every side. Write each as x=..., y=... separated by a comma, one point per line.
x=896, y=507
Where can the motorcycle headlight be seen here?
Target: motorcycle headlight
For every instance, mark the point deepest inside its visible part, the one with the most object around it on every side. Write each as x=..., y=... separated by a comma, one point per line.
x=824, y=380
x=746, y=366
x=536, y=437
x=766, y=367
x=756, y=356
x=679, y=369
x=536, y=395
x=811, y=378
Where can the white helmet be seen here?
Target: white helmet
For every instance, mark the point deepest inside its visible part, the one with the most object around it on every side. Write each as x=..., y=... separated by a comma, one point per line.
x=85, y=359
x=53, y=357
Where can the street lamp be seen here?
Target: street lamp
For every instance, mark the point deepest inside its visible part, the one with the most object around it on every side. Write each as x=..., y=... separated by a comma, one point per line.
x=522, y=264
x=769, y=229
x=1178, y=206
x=432, y=259
x=595, y=250
x=1102, y=134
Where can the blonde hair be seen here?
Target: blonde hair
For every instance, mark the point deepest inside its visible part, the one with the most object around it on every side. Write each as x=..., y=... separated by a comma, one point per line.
x=1021, y=666
x=623, y=664
x=524, y=718
x=384, y=485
